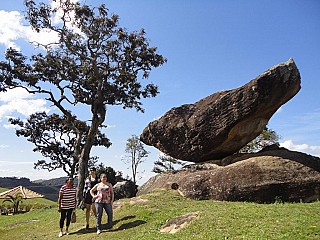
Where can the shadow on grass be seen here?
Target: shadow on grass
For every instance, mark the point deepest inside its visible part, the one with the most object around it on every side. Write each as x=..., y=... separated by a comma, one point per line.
x=123, y=219
x=124, y=226
x=104, y=227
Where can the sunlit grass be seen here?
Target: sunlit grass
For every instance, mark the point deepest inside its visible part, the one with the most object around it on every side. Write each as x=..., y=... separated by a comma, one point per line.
x=218, y=220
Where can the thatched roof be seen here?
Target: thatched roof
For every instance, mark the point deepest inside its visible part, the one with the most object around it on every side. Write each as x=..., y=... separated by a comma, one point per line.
x=25, y=192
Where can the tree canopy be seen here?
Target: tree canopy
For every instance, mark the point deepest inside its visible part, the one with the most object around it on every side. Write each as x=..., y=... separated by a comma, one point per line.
x=95, y=62
x=54, y=139
x=112, y=176
x=166, y=163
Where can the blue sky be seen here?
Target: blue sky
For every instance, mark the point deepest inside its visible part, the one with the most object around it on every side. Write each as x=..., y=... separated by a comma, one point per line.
x=210, y=46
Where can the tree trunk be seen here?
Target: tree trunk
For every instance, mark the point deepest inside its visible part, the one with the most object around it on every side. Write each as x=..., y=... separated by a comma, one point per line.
x=98, y=118
x=83, y=161
x=83, y=165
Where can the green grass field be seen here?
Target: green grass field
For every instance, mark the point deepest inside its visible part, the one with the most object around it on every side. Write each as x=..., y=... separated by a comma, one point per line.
x=218, y=220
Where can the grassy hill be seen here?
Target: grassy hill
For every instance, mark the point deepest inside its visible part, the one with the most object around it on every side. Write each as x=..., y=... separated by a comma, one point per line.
x=142, y=220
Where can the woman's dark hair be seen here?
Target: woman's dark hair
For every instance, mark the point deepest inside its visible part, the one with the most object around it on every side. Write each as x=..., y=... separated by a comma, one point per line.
x=68, y=179
x=103, y=175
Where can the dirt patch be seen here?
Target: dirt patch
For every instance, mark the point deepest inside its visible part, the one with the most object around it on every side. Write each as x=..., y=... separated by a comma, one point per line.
x=134, y=200
x=176, y=224
x=19, y=223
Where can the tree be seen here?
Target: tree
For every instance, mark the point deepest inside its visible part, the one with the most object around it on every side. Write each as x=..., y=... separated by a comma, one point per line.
x=55, y=140
x=135, y=155
x=266, y=138
x=15, y=200
x=95, y=63
x=112, y=175
x=165, y=164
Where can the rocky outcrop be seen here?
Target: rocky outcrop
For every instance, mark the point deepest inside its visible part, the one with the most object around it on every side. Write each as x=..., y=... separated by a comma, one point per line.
x=264, y=177
x=176, y=224
x=222, y=123
x=124, y=189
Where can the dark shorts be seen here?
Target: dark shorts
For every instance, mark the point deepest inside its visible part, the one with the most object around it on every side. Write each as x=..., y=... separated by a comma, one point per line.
x=88, y=199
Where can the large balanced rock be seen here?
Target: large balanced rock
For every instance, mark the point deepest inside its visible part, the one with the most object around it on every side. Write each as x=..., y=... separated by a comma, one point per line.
x=264, y=177
x=222, y=123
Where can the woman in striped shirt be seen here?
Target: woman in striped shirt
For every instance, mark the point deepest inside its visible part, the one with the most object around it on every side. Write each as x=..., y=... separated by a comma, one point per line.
x=66, y=204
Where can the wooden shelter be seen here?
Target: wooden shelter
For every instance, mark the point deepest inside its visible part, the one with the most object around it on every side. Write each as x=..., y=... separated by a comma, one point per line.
x=25, y=193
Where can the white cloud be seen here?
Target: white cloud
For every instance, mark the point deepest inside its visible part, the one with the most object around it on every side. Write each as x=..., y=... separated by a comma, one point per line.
x=12, y=28
x=4, y=146
x=25, y=169
x=43, y=37
x=313, y=150
x=14, y=94
x=9, y=126
x=9, y=172
x=20, y=101
x=59, y=13
x=4, y=164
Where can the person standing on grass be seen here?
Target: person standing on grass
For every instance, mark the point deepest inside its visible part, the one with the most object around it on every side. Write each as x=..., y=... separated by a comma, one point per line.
x=89, y=183
x=66, y=204
x=103, y=200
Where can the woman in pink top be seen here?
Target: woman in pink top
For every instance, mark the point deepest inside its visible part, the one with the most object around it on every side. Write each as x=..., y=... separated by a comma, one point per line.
x=103, y=200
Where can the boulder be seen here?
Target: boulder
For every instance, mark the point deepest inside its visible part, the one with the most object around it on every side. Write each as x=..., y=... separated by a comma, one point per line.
x=124, y=189
x=222, y=123
x=176, y=224
x=264, y=177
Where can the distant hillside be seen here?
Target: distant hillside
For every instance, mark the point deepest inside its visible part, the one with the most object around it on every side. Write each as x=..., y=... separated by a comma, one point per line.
x=11, y=182
x=49, y=188
x=54, y=182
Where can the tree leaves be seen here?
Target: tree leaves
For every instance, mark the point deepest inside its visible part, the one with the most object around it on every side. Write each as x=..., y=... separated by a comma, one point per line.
x=266, y=138
x=57, y=139
x=136, y=154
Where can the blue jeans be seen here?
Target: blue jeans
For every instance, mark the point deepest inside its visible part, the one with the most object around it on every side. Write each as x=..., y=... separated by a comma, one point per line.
x=108, y=208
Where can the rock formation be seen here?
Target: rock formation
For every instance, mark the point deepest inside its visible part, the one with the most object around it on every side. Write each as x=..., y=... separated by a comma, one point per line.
x=222, y=123
x=124, y=189
x=264, y=177
x=176, y=224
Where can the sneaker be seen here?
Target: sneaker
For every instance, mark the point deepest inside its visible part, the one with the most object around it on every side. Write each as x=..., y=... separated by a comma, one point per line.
x=60, y=234
x=98, y=232
x=109, y=226
x=67, y=232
